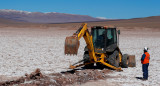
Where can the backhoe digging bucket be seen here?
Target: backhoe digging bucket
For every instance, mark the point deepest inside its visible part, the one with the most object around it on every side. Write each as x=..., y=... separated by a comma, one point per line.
x=71, y=45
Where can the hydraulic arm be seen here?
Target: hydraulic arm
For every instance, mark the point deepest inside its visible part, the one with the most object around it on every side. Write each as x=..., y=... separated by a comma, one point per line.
x=72, y=42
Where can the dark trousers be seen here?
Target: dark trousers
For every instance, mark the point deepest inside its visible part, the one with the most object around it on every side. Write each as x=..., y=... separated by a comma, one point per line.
x=145, y=70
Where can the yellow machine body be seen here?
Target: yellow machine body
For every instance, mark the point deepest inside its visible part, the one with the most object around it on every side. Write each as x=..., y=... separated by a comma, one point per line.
x=72, y=45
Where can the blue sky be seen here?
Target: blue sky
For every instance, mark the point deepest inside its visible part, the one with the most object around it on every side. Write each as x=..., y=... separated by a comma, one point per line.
x=112, y=9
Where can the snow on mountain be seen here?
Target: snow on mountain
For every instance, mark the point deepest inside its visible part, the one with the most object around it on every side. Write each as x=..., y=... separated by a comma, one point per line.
x=101, y=17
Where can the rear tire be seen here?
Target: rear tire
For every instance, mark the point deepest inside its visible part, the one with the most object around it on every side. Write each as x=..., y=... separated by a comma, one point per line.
x=125, y=61
x=114, y=59
x=87, y=60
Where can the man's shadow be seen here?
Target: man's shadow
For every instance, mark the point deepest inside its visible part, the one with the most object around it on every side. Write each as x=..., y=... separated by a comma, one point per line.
x=139, y=77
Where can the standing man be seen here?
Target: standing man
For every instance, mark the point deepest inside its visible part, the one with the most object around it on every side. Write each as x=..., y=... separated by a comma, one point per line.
x=145, y=63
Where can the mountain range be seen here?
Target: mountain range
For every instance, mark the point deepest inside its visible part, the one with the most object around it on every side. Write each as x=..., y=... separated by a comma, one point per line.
x=39, y=17
x=13, y=18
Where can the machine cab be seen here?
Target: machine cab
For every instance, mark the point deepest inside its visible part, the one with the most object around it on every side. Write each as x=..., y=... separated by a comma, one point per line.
x=104, y=38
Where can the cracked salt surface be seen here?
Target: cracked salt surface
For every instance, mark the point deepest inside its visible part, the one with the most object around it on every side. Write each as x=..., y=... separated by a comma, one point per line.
x=24, y=52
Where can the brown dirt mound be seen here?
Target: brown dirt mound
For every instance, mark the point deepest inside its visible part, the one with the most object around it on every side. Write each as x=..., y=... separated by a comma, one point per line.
x=59, y=79
x=33, y=76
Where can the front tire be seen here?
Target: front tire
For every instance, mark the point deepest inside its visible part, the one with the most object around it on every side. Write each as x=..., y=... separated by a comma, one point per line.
x=114, y=59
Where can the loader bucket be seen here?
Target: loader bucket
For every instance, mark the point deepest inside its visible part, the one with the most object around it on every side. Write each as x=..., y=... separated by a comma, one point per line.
x=71, y=45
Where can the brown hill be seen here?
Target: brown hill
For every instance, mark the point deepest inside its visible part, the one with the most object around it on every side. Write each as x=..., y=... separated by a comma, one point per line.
x=150, y=22
x=12, y=23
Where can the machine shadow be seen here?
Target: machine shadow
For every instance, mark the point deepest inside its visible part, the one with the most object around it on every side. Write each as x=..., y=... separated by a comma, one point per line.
x=72, y=71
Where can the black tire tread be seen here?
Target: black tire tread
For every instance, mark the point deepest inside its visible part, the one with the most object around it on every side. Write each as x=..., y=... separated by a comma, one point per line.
x=124, y=61
x=112, y=58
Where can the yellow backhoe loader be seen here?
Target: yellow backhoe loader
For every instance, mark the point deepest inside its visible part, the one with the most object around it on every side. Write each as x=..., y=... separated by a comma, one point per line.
x=101, y=48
